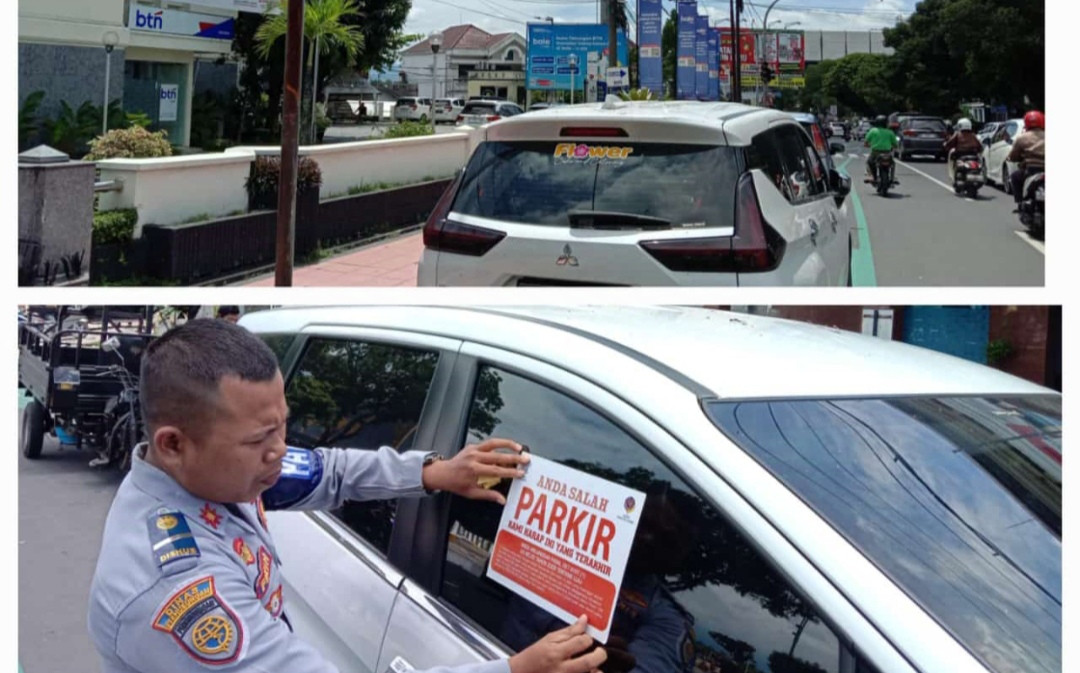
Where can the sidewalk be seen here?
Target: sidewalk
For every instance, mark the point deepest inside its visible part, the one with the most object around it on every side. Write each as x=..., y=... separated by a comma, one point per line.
x=390, y=264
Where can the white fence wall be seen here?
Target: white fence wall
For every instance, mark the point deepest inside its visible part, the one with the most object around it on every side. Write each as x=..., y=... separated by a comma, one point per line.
x=171, y=190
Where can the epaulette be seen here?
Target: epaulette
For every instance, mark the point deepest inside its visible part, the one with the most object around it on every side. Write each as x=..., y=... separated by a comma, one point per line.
x=172, y=543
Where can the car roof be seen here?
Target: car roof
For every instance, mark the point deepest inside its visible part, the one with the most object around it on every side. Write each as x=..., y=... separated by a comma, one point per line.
x=714, y=353
x=672, y=121
x=804, y=117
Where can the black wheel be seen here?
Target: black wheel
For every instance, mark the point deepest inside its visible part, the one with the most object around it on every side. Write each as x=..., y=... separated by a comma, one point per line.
x=33, y=430
x=1006, y=185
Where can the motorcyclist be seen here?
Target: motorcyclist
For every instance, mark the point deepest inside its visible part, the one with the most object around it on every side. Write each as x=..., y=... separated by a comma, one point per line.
x=961, y=143
x=880, y=140
x=1029, y=150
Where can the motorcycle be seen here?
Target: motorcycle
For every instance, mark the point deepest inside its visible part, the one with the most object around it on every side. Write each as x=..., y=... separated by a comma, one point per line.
x=1033, y=205
x=883, y=172
x=123, y=417
x=968, y=174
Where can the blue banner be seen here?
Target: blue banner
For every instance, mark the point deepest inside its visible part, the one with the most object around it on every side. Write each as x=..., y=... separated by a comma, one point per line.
x=650, y=63
x=685, y=60
x=701, y=57
x=553, y=46
x=714, y=64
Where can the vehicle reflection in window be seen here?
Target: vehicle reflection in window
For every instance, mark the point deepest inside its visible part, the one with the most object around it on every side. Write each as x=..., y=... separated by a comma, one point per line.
x=958, y=499
x=696, y=596
x=360, y=395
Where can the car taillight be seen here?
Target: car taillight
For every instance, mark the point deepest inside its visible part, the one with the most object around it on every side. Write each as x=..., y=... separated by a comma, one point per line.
x=413, y=107
x=493, y=118
x=459, y=119
x=447, y=235
x=909, y=132
x=464, y=239
x=754, y=247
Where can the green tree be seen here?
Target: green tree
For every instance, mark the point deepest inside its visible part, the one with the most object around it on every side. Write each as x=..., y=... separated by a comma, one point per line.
x=954, y=50
x=325, y=28
x=380, y=23
x=863, y=83
x=669, y=44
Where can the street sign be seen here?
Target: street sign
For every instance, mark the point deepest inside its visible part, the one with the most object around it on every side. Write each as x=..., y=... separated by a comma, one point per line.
x=617, y=78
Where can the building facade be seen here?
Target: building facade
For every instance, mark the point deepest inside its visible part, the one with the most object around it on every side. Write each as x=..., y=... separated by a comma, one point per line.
x=498, y=61
x=150, y=51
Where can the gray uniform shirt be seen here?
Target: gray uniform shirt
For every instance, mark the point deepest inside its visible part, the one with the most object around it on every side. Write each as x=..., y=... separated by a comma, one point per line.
x=187, y=585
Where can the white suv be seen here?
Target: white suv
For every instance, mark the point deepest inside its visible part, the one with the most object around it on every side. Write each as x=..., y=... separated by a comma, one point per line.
x=412, y=109
x=642, y=193
x=447, y=109
x=817, y=501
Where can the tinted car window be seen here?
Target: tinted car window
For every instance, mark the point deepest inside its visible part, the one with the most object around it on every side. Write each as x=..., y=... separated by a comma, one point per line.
x=696, y=595
x=541, y=182
x=406, y=101
x=360, y=395
x=957, y=499
x=801, y=163
x=926, y=125
x=279, y=343
x=478, y=109
x=764, y=154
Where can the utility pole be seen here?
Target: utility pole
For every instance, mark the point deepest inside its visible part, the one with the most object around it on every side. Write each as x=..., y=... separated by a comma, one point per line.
x=609, y=11
x=736, y=75
x=290, y=130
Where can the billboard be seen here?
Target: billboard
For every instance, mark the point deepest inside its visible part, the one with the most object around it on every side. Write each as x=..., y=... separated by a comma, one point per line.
x=177, y=22
x=686, y=61
x=786, y=52
x=650, y=64
x=550, y=46
x=701, y=56
x=714, y=64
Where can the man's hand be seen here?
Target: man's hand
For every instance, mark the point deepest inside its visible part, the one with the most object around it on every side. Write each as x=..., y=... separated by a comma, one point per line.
x=459, y=474
x=555, y=653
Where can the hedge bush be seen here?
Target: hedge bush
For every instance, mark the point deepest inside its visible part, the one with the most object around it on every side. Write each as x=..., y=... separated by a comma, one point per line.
x=114, y=226
x=262, y=184
x=134, y=142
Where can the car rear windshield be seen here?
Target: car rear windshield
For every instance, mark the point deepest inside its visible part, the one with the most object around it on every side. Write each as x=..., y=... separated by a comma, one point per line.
x=689, y=186
x=406, y=101
x=478, y=108
x=935, y=125
x=957, y=499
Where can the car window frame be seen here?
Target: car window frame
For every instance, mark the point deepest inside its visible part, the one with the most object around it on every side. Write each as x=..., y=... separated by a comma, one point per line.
x=398, y=551
x=800, y=134
x=425, y=573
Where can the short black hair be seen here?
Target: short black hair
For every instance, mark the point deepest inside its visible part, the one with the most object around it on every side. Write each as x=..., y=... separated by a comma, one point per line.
x=227, y=310
x=181, y=371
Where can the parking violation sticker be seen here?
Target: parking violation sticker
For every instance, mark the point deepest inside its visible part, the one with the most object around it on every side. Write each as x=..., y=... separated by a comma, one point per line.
x=563, y=542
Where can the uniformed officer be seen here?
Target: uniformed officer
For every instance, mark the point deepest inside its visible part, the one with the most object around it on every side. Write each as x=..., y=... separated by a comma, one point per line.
x=188, y=578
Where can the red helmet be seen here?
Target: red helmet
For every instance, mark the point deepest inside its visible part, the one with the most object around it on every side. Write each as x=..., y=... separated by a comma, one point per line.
x=1034, y=120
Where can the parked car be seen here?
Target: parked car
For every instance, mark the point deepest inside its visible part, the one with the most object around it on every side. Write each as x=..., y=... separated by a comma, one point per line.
x=816, y=500
x=447, y=109
x=480, y=112
x=997, y=167
x=861, y=130
x=642, y=193
x=412, y=109
x=987, y=132
x=923, y=135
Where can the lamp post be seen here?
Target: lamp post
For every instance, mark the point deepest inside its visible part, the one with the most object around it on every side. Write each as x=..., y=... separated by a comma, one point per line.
x=573, y=75
x=436, y=43
x=110, y=39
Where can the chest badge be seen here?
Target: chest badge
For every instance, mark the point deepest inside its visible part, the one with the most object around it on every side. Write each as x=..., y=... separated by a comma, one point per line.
x=243, y=551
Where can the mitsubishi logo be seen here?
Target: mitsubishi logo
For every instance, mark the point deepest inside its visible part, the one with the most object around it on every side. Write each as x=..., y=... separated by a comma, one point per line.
x=567, y=258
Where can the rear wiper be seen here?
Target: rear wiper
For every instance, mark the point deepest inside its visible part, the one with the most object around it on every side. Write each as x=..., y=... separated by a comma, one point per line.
x=608, y=219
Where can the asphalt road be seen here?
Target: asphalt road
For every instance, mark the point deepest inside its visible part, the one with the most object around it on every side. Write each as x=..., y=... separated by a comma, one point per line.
x=922, y=234
x=62, y=508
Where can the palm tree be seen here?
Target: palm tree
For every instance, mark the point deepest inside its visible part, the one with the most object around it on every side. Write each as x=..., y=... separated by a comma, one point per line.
x=323, y=26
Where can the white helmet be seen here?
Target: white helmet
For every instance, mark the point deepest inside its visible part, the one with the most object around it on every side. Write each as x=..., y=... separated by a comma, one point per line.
x=963, y=125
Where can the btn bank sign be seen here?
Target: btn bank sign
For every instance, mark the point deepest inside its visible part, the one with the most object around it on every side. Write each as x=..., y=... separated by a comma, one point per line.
x=177, y=22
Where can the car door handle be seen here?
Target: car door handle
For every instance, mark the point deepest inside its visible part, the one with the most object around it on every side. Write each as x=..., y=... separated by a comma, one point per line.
x=814, y=232
x=832, y=219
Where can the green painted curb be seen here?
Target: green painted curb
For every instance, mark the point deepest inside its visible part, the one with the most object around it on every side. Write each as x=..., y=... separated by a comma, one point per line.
x=862, y=257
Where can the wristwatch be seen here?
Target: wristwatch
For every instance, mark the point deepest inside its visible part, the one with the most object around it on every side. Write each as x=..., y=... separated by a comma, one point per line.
x=428, y=460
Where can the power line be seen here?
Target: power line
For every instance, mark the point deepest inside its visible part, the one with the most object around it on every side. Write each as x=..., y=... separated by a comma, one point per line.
x=477, y=11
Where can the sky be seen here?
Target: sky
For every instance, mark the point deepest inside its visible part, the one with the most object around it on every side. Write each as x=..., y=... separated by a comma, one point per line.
x=499, y=16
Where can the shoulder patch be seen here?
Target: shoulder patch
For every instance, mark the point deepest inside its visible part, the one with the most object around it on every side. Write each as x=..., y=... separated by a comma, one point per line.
x=266, y=566
x=171, y=541
x=301, y=473
x=202, y=624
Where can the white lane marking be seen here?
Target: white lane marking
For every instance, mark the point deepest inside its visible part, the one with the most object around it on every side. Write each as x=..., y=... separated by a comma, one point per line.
x=1041, y=247
x=928, y=177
